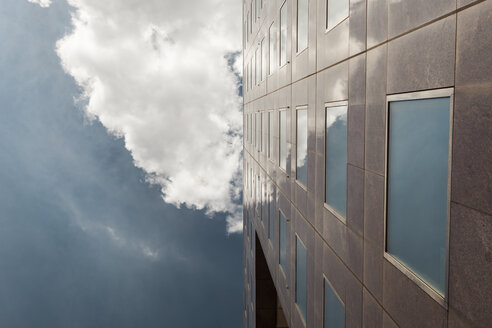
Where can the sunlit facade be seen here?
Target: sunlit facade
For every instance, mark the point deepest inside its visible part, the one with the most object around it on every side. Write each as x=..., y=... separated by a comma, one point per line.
x=367, y=163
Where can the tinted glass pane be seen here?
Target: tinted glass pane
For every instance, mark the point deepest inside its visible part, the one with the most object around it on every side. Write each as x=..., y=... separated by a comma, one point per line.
x=264, y=131
x=283, y=242
x=270, y=134
x=337, y=11
x=283, y=140
x=301, y=146
x=263, y=59
x=301, y=289
x=418, y=150
x=271, y=217
x=283, y=34
x=302, y=24
x=336, y=157
x=334, y=312
x=263, y=202
x=273, y=47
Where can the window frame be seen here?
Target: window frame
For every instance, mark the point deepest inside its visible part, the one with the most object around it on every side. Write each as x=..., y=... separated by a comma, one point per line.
x=280, y=64
x=421, y=95
x=280, y=140
x=327, y=206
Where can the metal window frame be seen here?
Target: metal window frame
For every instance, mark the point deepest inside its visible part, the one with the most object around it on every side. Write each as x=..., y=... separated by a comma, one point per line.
x=442, y=300
x=327, y=206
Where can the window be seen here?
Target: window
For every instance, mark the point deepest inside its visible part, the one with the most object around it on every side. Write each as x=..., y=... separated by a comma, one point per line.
x=247, y=27
x=251, y=69
x=251, y=18
x=336, y=157
x=257, y=66
x=251, y=236
x=249, y=128
x=283, y=241
x=301, y=278
x=417, y=192
x=264, y=137
x=258, y=131
x=273, y=47
x=336, y=11
x=263, y=202
x=283, y=139
x=334, y=311
x=271, y=216
x=301, y=146
x=283, y=34
x=302, y=24
x=258, y=195
x=270, y=134
x=257, y=10
x=263, y=59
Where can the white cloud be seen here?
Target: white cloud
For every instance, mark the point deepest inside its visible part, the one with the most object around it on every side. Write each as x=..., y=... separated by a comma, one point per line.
x=154, y=73
x=42, y=3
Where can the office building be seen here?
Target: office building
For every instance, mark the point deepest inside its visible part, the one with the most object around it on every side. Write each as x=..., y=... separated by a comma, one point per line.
x=367, y=163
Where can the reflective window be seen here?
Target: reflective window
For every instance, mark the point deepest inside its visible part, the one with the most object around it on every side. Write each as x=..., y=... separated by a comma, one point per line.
x=271, y=130
x=334, y=311
x=264, y=132
x=258, y=130
x=302, y=24
x=336, y=158
x=418, y=158
x=283, y=242
x=283, y=139
x=301, y=146
x=257, y=10
x=271, y=216
x=336, y=11
x=301, y=277
x=258, y=66
x=263, y=59
x=251, y=69
x=283, y=34
x=251, y=236
x=263, y=202
x=273, y=47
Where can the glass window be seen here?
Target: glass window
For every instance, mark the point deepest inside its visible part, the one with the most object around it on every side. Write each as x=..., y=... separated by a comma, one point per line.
x=258, y=131
x=257, y=10
x=301, y=277
x=257, y=66
x=334, y=311
x=264, y=132
x=283, y=139
x=251, y=236
x=263, y=59
x=283, y=242
x=283, y=34
x=273, y=47
x=301, y=146
x=270, y=134
x=263, y=202
x=302, y=24
x=418, y=158
x=336, y=158
x=251, y=69
x=336, y=11
x=271, y=216
x=251, y=18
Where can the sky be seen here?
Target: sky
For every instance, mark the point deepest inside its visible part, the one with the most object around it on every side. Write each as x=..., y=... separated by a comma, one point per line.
x=120, y=156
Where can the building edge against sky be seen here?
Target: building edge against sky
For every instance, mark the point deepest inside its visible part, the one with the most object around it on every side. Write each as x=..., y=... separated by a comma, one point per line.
x=367, y=163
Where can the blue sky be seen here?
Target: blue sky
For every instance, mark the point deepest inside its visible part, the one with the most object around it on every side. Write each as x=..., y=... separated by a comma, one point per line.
x=85, y=240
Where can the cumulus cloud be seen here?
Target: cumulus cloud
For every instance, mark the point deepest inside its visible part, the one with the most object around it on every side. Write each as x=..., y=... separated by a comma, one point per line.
x=42, y=3
x=158, y=73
